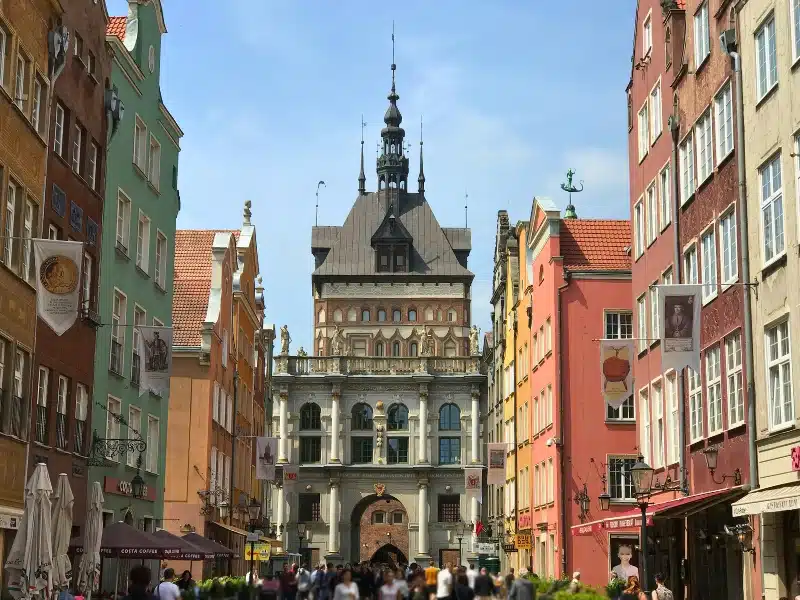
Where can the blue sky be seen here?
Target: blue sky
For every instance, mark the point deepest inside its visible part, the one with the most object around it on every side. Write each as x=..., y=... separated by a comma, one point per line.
x=270, y=95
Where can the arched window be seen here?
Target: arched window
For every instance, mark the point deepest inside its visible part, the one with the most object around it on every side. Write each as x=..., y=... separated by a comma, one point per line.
x=321, y=316
x=352, y=314
x=362, y=417
x=310, y=416
x=451, y=316
x=395, y=348
x=413, y=349
x=379, y=517
x=412, y=314
x=439, y=315
x=449, y=418
x=397, y=417
x=450, y=348
x=321, y=347
x=337, y=316
x=429, y=314
x=365, y=315
x=396, y=315
x=381, y=316
x=379, y=349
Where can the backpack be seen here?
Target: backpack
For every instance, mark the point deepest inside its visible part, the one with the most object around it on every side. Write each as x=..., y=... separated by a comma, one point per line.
x=664, y=593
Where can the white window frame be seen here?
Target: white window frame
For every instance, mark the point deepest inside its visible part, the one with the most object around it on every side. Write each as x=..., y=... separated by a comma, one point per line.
x=20, y=78
x=690, y=272
x=134, y=432
x=647, y=34
x=113, y=426
x=665, y=197
x=28, y=225
x=123, y=219
x=154, y=161
x=734, y=381
x=36, y=107
x=713, y=384
x=656, y=116
x=655, y=317
x=704, y=139
x=651, y=209
x=645, y=434
x=140, y=143
x=77, y=144
x=643, y=123
x=766, y=67
x=638, y=228
x=626, y=486
x=723, y=117
x=673, y=417
x=702, y=41
x=161, y=259
x=91, y=171
x=657, y=406
x=687, y=166
x=153, y=441
x=5, y=49
x=794, y=27
x=43, y=387
x=708, y=264
x=694, y=384
x=10, y=222
x=641, y=323
x=772, y=197
x=58, y=131
x=143, y=224
x=118, y=322
x=782, y=366
x=797, y=173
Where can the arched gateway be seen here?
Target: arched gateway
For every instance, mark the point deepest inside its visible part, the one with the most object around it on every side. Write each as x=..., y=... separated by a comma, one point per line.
x=379, y=530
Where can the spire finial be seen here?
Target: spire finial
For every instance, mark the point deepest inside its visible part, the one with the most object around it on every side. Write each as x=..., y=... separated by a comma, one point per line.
x=362, y=178
x=568, y=187
x=466, y=214
x=421, y=178
x=394, y=66
x=316, y=208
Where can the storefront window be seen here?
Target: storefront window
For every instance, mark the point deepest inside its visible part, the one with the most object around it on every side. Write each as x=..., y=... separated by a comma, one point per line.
x=792, y=552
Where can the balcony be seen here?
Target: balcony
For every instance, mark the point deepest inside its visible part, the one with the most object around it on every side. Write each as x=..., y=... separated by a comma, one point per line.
x=115, y=365
x=378, y=365
x=41, y=424
x=61, y=431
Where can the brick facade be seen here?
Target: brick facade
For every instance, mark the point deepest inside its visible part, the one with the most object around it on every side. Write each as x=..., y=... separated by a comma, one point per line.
x=375, y=536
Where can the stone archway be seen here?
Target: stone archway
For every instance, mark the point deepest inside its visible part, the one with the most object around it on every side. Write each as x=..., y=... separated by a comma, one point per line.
x=378, y=522
x=389, y=554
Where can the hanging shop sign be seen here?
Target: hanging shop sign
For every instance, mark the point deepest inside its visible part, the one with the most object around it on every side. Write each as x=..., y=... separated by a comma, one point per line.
x=122, y=487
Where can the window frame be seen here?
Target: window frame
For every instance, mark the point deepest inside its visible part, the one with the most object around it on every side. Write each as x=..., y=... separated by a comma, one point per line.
x=794, y=27
x=763, y=89
x=651, y=210
x=723, y=122
x=702, y=45
x=712, y=374
x=621, y=460
x=709, y=268
x=785, y=359
x=639, y=228
x=770, y=201
x=656, y=113
x=687, y=166
x=734, y=379
x=664, y=197
x=642, y=323
x=59, y=121
x=704, y=151
x=696, y=408
x=643, y=129
x=140, y=143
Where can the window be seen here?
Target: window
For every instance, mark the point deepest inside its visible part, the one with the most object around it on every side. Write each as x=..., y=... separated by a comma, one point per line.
x=620, y=482
x=451, y=316
x=412, y=315
x=21, y=81
x=695, y=406
x=655, y=317
x=310, y=417
x=118, y=320
x=686, y=159
x=52, y=233
x=77, y=50
x=308, y=508
x=655, y=113
x=644, y=132
x=664, y=186
x=139, y=319
x=397, y=450
x=134, y=432
x=123, y=221
x=26, y=268
x=723, y=106
x=449, y=349
x=90, y=63
x=154, y=162
x=626, y=412
x=548, y=336
x=690, y=265
x=795, y=27
x=42, y=433
x=58, y=132
x=212, y=479
x=362, y=450
x=733, y=371
x=77, y=145
x=153, y=435
x=673, y=418
x=641, y=318
x=397, y=518
x=449, y=418
x=224, y=348
x=772, y=209
x=215, y=403
x=143, y=242
x=705, y=147
x=644, y=430
x=87, y=280
x=550, y=480
x=365, y=316
x=113, y=411
x=396, y=315
x=413, y=349
x=161, y=260
x=779, y=378
x=351, y=315
x=397, y=418
x=379, y=349
x=381, y=315
x=652, y=214
x=647, y=36
x=91, y=171
x=61, y=413
x=36, y=110
x=139, y=143
x=14, y=193
x=449, y=450
x=708, y=246
x=714, y=391
x=766, y=58
x=619, y=325
x=638, y=225
x=379, y=517
x=310, y=450
x=81, y=415
x=359, y=347
x=5, y=39
x=701, y=37
x=449, y=508
x=728, y=252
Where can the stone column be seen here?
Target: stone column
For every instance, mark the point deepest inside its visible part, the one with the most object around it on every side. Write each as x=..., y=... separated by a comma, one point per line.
x=336, y=394
x=283, y=444
x=422, y=451
x=422, y=509
x=333, y=519
x=476, y=424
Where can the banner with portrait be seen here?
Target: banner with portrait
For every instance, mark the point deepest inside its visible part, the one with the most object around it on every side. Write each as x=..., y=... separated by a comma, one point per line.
x=496, y=474
x=266, y=455
x=155, y=359
x=679, y=311
x=616, y=371
x=58, y=277
x=472, y=483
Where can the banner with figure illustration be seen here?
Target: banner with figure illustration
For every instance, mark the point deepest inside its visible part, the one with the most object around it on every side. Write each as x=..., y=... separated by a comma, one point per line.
x=472, y=483
x=496, y=475
x=155, y=359
x=616, y=372
x=679, y=312
x=266, y=455
x=58, y=277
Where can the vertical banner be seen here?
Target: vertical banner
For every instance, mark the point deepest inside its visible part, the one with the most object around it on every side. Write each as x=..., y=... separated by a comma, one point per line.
x=679, y=307
x=266, y=453
x=289, y=474
x=58, y=277
x=616, y=372
x=496, y=474
x=472, y=483
x=155, y=359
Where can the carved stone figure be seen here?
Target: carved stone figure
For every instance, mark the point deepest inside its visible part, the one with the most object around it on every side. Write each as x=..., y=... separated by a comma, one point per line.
x=379, y=436
x=428, y=343
x=301, y=352
x=285, y=340
x=474, y=333
x=337, y=342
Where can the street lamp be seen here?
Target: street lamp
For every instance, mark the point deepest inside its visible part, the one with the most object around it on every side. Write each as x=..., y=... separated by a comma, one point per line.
x=137, y=486
x=711, y=455
x=253, y=510
x=583, y=500
x=224, y=510
x=642, y=476
x=301, y=533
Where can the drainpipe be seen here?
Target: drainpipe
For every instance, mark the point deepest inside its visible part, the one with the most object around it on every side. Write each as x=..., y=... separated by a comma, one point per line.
x=516, y=458
x=560, y=446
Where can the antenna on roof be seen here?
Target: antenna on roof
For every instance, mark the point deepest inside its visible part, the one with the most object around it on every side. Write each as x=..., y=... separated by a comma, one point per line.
x=466, y=209
x=316, y=209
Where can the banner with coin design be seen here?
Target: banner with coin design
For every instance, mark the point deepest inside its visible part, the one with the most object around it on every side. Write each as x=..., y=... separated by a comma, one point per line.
x=58, y=278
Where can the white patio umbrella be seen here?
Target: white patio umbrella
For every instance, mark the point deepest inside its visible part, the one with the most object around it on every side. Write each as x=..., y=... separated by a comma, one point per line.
x=30, y=561
x=62, y=528
x=93, y=537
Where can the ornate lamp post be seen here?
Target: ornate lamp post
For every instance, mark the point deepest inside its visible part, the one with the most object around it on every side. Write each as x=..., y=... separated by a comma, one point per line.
x=301, y=533
x=253, y=510
x=642, y=476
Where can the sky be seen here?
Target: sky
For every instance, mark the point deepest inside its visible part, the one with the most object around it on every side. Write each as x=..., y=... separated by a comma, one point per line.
x=270, y=95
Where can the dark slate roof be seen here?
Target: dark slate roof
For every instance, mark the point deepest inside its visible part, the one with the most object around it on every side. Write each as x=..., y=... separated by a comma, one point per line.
x=460, y=238
x=352, y=254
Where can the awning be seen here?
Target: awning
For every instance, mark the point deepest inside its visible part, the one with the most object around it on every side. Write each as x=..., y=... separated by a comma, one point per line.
x=671, y=509
x=769, y=500
x=244, y=533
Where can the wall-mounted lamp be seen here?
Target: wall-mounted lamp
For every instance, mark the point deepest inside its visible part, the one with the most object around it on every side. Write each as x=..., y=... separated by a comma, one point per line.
x=605, y=498
x=711, y=455
x=583, y=500
x=743, y=533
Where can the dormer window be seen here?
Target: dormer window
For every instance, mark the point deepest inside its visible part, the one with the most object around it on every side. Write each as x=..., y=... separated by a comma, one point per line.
x=392, y=258
x=384, y=255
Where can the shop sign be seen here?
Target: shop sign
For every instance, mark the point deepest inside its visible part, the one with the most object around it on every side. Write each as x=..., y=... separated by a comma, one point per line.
x=525, y=520
x=122, y=487
x=796, y=458
x=523, y=541
x=509, y=548
x=9, y=522
x=260, y=551
x=483, y=548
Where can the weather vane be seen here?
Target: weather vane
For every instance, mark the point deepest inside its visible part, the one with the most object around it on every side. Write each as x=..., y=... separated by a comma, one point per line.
x=571, y=189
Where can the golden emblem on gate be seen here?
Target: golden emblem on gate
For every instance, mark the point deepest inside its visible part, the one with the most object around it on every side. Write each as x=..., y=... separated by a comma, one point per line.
x=380, y=488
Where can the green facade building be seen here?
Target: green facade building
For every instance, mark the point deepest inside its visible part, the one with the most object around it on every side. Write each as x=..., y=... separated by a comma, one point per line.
x=136, y=270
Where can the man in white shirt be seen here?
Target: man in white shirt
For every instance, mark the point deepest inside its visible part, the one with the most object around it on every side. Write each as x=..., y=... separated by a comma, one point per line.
x=471, y=575
x=166, y=590
x=444, y=582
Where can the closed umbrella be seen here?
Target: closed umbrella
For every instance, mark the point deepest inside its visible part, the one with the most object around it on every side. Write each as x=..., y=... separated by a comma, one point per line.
x=93, y=536
x=30, y=561
x=62, y=528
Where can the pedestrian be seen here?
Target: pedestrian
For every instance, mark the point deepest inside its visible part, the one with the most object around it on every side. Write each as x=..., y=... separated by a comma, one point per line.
x=390, y=590
x=462, y=589
x=186, y=582
x=484, y=586
x=402, y=584
x=471, y=575
x=509, y=581
x=662, y=592
x=444, y=582
x=166, y=590
x=431, y=574
x=575, y=584
x=521, y=587
x=139, y=582
x=303, y=582
x=347, y=588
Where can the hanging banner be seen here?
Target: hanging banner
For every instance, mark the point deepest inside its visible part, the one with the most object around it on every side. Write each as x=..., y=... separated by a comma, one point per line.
x=58, y=277
x=616, y=372
x=472, y=483
x=155, y=359
x=679, y=307
x=289, y=474
x=496, y=474
x=266, y=453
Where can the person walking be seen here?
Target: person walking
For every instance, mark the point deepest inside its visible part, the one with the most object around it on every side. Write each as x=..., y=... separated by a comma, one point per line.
x=472, y=574
x=484, y=586
x=431, y=574
x=444, y=582
x=662, y=592
x=139, y=584
x=462, y=589
x=522, y=587
x=347, y=588
x=166, y=590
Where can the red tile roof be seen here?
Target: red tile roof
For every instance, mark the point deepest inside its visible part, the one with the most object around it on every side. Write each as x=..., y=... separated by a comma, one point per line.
x=596, y=244
x=192, y=283
x=116, y=26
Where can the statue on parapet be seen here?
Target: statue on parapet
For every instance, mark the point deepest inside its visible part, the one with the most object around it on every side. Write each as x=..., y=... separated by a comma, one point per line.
x=285, y=340
x=474, y=334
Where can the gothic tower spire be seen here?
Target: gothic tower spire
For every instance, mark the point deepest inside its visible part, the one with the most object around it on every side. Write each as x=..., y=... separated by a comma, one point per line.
x=392, y=164
x=421, y=178
x=362, y=179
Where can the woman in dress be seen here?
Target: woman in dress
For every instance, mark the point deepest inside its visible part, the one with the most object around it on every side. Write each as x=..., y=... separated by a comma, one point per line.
x=347, y=588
